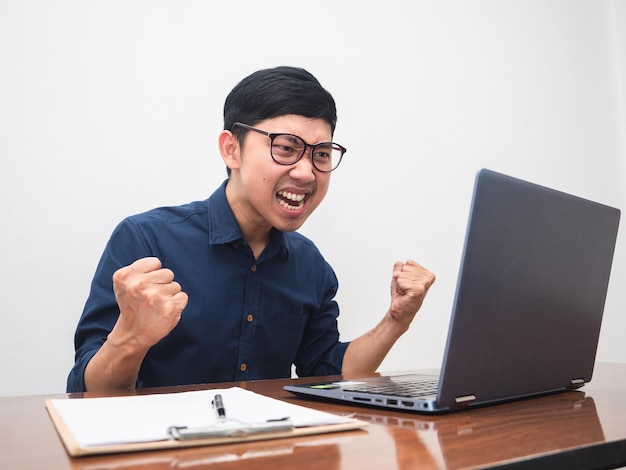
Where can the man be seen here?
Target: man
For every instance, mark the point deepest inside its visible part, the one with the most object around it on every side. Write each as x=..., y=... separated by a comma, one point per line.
x=225, y=289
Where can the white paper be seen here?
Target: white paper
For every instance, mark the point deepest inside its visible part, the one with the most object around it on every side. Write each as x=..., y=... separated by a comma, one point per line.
x=146, y=418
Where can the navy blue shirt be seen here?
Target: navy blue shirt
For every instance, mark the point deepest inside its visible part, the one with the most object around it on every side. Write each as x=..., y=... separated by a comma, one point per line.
x=246, y=319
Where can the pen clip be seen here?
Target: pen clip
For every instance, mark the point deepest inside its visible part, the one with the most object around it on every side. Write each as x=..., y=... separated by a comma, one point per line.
x=230, y=428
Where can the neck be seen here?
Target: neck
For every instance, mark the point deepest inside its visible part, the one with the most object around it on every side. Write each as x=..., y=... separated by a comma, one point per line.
x=256, y=235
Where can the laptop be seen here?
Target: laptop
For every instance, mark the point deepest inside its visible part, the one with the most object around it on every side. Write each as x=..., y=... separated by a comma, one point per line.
x=527, y=310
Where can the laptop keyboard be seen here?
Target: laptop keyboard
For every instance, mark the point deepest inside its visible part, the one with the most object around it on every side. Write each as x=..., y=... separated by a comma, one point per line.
x=409, y=389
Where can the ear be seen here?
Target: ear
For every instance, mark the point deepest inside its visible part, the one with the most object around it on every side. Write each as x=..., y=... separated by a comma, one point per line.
x=229, y=149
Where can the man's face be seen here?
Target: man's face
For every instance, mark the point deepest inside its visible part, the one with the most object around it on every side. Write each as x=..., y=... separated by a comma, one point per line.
x=280, y=196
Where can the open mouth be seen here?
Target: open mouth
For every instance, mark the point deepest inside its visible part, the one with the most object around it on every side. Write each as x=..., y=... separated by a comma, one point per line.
x=290, y=201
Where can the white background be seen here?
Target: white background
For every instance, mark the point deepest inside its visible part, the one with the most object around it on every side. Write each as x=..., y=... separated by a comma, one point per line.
x=113, y=107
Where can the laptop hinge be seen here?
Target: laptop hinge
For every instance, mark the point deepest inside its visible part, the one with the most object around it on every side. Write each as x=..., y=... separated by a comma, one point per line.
x=577, y=383
x=464, y=399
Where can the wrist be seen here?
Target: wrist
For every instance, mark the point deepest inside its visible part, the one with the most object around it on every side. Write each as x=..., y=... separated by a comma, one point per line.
x=126, y=344
x=396, y=324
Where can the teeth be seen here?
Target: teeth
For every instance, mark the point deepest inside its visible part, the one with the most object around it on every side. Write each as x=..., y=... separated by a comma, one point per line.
x=297, y=199
x=291, y=196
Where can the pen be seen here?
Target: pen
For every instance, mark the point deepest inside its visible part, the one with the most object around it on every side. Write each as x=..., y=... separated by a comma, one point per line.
x=219, y=406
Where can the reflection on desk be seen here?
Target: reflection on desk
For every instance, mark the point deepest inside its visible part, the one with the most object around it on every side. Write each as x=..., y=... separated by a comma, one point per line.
x=263, y=454
x=573, y=418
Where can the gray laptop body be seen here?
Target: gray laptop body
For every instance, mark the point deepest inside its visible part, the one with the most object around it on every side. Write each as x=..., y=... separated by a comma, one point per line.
x=528, y=306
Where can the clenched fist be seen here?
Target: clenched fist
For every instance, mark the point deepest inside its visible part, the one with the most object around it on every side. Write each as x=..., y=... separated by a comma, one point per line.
x=409, y=285
x=150, y=301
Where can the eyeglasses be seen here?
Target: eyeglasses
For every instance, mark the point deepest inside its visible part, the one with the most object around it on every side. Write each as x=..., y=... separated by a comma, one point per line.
x=288, y=149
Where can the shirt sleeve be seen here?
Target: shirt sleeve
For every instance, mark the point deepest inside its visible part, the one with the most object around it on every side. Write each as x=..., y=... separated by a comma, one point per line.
x=321, y=352
x=125, y=246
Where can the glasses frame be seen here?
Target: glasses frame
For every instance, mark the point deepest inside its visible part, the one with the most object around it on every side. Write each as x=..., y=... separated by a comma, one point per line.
x=273, y=135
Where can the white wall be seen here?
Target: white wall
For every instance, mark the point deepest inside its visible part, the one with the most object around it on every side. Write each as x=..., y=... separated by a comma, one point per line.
x=113, y=107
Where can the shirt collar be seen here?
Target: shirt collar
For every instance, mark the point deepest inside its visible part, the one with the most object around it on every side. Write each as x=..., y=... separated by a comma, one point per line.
x=223, y=227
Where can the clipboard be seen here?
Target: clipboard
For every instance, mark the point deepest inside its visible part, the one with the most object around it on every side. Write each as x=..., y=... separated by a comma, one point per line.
x=64, y=412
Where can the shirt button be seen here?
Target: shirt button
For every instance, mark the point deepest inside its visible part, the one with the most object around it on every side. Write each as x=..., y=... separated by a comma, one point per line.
x=243, y=367
x=250, y=317
x=236, y=245
x=254, y=268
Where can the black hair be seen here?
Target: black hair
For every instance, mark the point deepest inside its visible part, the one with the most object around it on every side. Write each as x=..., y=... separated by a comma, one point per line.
x=274, y=92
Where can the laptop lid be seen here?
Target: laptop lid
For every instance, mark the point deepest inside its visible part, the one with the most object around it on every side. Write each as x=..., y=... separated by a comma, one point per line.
x=530, y=295
x=529, y=300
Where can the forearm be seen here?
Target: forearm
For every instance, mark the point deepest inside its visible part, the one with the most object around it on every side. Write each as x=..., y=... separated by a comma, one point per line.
x=365, y=354
x=115, y=366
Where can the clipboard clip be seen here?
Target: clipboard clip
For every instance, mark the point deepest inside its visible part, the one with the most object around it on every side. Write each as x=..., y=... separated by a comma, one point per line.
x=230, y=428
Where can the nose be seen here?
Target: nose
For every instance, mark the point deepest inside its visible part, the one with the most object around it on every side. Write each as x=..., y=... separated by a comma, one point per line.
x=303, y=169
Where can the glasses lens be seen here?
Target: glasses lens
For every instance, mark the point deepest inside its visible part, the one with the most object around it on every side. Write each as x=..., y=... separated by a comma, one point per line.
x=287, y=149
x=326, y=156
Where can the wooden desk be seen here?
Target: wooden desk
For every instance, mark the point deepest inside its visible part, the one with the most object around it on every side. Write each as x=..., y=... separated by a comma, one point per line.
x=582, y=429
